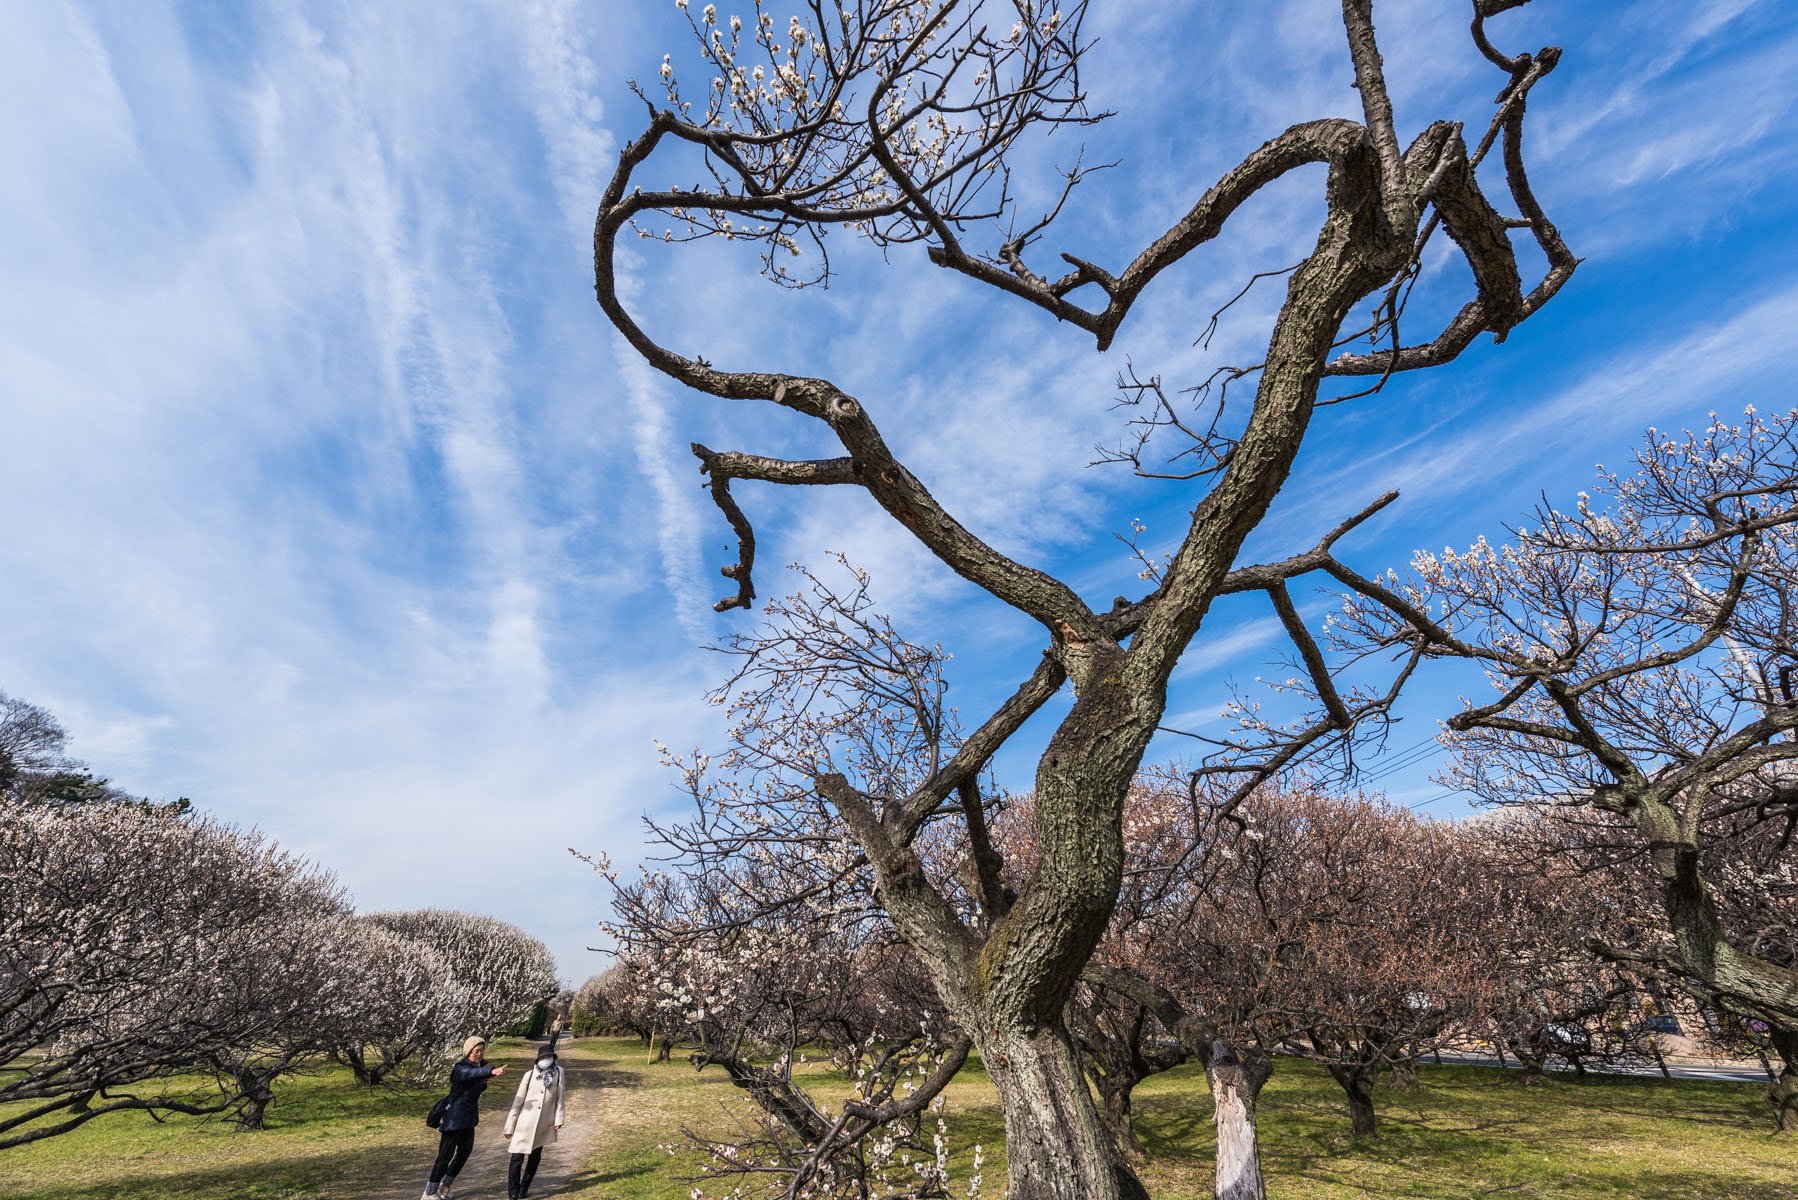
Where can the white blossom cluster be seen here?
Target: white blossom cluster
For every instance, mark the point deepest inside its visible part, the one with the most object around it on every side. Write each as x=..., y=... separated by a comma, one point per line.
x=888, y=116
x=444, y=975
x=157, y=961
x=138, y=948
x=1641, y=648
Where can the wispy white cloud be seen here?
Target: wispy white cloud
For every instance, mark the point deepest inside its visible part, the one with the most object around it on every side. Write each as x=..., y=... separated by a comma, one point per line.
x=291, y=553
x=581, y=154
x=349, y=516
x=1612, y=399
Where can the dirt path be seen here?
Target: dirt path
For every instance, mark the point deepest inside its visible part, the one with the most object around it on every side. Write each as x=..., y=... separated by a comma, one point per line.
x=564, y=1164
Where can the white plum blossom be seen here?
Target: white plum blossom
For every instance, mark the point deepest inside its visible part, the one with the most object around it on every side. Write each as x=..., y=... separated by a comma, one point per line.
x=137, y=947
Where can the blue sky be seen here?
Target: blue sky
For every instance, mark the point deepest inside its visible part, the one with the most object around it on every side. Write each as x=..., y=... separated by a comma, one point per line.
x=331, y=501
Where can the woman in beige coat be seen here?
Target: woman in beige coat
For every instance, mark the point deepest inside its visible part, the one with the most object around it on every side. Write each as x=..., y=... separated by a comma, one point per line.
x=535, y=1117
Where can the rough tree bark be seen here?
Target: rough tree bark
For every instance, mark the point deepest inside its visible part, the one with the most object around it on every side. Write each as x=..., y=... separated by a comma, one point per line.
x=1116, y=1110
x=1236, y=1081
x=1357, y=1081
x=257, y=1094
x=1531, y=1060
x=366, y=1073
x=1703, y=948
x=1007, y=982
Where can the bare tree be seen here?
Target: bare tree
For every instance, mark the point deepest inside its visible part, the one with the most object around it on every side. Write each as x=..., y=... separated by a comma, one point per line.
x=35, y=770
x=895, y=119
x=1642, y=648
x=31, y=745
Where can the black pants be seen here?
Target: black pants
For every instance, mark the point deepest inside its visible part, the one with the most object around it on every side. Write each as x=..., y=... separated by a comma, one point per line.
x=452, y=1153
x=522, y=1171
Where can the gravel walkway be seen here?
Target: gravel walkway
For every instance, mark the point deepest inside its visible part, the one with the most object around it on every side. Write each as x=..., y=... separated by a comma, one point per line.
x=564, y=1163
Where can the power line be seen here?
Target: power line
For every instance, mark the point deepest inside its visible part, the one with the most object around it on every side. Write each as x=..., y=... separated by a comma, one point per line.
x=1422, y=804
x=1394, y=766
x=1399, y=760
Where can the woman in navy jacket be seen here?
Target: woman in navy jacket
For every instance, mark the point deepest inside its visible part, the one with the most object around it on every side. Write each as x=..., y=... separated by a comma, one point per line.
x=468, y=1079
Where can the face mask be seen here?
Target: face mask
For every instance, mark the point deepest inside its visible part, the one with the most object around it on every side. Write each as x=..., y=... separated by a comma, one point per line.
x=544, y=1064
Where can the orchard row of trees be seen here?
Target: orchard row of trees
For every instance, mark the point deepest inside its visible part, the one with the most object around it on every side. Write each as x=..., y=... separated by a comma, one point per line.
x=155, y=959
x=1340, y=929
x=1637, y=855
x=1640, y=647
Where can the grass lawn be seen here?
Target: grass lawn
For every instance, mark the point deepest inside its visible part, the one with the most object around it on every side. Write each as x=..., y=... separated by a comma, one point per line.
x=1468, y=1132
x=325, y=1135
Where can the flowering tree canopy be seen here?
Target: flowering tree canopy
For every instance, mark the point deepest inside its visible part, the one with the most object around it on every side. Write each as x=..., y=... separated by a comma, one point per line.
x=153, y=961
x=35, y=770
x=303, y=975
x=1641, y=648
x=134, y=950
x=443, y=976
x=409, y=1012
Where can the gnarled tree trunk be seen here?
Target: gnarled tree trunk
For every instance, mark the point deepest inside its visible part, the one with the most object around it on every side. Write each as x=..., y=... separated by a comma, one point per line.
x=1115, y=1111
x=1357, y=1085
x=257, y=1094
x=1121, y=1052
x=366, y=1073
x=1530, y=1059
x=1404, y=1076
x=1057, y=1147
x=1236, y=1082
x=1782, y=1093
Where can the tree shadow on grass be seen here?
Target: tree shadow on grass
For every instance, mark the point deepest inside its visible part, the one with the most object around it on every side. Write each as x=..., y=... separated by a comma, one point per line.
x=1174, y=1125
x=1471, y=1135
x=604, y=1078
x=593, y=1176
x=361, y=1172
